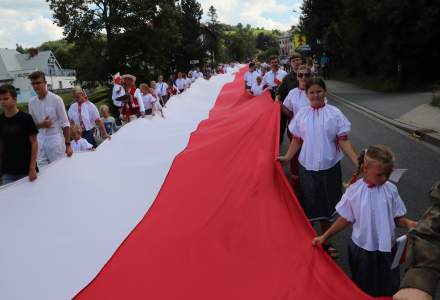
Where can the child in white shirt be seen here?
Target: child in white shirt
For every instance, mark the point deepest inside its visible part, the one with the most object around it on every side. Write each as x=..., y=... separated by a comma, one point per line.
x=78, y=143
x=374, y=207
x=155, y=101
x=258, y=88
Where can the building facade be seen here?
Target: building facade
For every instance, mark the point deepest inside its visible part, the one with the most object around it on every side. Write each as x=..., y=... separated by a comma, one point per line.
x=287, y=46
x=16, y=67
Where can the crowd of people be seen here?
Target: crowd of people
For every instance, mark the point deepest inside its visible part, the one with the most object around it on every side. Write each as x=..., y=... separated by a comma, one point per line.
x=48, y=132
x=318, y=133
x=319, y=136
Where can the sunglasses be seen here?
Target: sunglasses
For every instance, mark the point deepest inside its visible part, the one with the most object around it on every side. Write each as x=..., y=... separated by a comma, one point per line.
x=305, y=75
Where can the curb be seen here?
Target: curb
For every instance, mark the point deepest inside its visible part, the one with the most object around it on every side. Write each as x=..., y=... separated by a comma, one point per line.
x=416, y=132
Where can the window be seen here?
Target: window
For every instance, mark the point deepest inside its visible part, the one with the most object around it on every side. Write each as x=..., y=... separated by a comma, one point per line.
x=60, y=83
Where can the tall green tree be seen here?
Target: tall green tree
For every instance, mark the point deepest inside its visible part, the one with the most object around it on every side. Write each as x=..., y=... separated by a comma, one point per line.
x=214, y=36
x=192, y=47
x=86, y=20
x=266, y=41
x=392, y=39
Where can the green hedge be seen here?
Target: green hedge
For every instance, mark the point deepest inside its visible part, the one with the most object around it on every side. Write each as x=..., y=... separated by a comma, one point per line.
x=102, y=95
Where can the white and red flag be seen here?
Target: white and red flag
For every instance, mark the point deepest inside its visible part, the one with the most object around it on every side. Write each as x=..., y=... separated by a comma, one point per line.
x=224, y=223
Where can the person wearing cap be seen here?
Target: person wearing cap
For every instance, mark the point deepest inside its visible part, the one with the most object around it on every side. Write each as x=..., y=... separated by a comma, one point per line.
x=423, y=255
x=85, y=115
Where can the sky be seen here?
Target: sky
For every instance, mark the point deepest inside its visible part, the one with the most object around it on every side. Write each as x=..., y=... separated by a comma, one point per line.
x=29, y=22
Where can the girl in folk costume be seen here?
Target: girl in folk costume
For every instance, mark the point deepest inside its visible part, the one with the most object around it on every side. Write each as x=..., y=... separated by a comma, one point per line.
x=374, y=207
x=131, y=108
x=320, y=131
x=295, y=100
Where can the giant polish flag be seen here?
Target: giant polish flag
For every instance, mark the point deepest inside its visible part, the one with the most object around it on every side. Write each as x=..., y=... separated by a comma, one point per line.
x=224, y=223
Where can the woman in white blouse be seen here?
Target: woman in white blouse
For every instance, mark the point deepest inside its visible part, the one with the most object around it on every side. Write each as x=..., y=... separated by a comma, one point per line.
x=85, y=115
x=320, y=131
x=295, y=100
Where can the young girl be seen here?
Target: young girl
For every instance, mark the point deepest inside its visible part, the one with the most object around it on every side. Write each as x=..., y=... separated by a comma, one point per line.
x=374, y=207
x=79, y=144
x=319, y=131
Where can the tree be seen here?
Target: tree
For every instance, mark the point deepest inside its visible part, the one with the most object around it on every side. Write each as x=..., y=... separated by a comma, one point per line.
x=19, y=48
x=63, y=51
x=214, y=34
x=266, y=41
x=390, y=40
x=86, y=20
x=192, y=47
x=241, y=43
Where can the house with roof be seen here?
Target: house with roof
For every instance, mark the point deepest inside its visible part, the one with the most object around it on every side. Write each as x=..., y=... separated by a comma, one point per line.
x=16, y=67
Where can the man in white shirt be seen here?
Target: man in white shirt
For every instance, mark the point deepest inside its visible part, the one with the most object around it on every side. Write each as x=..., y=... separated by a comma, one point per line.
x=49, y=114
x=273, y=79
x=275, y=76
x=162, y=90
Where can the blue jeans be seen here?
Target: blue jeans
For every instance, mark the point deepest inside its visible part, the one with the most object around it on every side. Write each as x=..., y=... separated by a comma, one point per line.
x=10, y=178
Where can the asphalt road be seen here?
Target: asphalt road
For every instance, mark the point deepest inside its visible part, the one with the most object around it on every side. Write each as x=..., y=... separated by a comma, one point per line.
x=422, y=161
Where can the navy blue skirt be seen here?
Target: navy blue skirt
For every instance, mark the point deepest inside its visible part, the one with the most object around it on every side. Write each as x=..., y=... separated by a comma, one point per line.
x=370, y=271
x=319, y=192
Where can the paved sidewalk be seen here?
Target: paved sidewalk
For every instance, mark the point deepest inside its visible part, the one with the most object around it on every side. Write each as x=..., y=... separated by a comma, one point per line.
x=410, y=108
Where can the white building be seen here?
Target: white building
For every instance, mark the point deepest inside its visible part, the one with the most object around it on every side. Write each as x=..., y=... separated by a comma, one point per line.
x=16, y=67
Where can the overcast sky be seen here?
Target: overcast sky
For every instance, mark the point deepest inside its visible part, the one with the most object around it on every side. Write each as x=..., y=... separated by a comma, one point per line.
x=29, y=23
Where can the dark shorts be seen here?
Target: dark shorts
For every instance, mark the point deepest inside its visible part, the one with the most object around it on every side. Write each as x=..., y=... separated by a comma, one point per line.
x=319, y=192
x=370, y=271
x=88, y=135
